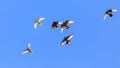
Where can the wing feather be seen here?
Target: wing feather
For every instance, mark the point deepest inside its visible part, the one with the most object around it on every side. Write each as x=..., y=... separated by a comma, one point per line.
x=35, y=24
x=61, y=29
x=40, y=19
x=25, y=51
x=70, y=36
x=70, y=22
x=105, y=15
x=62, y=42
x=114, y=10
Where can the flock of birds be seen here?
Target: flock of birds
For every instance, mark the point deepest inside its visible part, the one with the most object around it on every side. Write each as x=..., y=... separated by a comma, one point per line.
x=63, y=25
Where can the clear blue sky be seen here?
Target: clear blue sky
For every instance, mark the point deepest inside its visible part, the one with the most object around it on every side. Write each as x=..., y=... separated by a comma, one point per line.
x=96, y=43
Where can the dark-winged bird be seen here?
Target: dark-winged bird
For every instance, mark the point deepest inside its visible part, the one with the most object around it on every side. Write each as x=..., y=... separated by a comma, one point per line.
x=38, y=21
x=27, y=50
x=66, y=39
x=55, y=25
x=65, y=25
x=109, y=12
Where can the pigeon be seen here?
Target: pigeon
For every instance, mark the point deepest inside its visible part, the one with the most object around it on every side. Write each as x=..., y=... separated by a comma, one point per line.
x=38, y=21
x=66, y=39
x=27, y=50
x=65, y=25
x=55, y=25
x=109, y=12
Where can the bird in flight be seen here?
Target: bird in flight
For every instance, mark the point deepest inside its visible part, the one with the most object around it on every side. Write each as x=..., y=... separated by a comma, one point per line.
x=55, y=25
x=27, y=50
x=65, y=25
x=66, y=39
x=109, y=12
x=38, y=22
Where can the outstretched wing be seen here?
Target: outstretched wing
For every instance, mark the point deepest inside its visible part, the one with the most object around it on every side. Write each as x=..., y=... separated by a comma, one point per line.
x=70, y=21
x=35, y=24
x=29, y=49
x=40, y=19
x=70, y=36
x=105, y=15
x=52, y=29
x=114, y=10
x=62, y=42
x=25, y=51
x=60, y=22
x=61, y=30
x=29, y=45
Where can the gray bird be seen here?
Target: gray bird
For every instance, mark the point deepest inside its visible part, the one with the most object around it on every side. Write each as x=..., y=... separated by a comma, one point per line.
x=38, y=22
x=109, y=12
x=27, y=50
x=66, y=39
x=55, y=25
x=65, y=25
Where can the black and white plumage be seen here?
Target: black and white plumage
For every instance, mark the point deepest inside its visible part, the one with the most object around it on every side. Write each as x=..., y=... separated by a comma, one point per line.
x=109, y=12
x=28, y=49
x=38, y=21
x=65, y=25
x=66, y=39
x=55, y=25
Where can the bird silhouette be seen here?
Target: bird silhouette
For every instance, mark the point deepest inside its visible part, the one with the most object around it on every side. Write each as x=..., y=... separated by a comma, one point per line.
x=66, y=39
x=109, y=12
x=65, y=25
x=27, y=50
x=38, y=21
x=55, y=25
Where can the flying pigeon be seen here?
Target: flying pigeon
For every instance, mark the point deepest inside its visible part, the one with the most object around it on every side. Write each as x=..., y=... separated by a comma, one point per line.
x=66, y=39
x=65, y=25
x=55, y=25
x=27, y=50
x=38, y=21
x=109, y=12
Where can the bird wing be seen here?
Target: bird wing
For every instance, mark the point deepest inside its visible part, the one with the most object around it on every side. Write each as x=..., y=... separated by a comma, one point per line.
x=70, y=36
x=40, y=19
x=52, y=29
x=60, y=22
x=61, y=29
x=25, y=51
x=35, y=24
x=69, y=22
x=29, y=45
x=105, y=15
x=29, y=49
x=114, y=10
x=62, y=42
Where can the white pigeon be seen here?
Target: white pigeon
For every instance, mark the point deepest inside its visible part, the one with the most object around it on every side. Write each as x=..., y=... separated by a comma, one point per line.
x=28, y=49
x=66, y=39
x=109, y=12
x=38, y=21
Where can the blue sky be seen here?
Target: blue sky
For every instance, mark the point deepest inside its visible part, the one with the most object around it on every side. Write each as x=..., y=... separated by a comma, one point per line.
x=95, y=44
